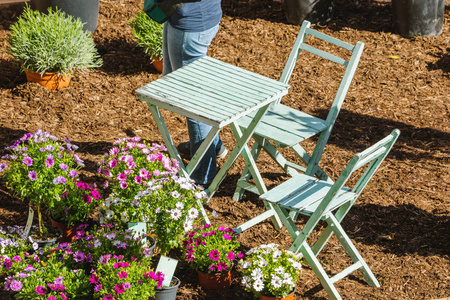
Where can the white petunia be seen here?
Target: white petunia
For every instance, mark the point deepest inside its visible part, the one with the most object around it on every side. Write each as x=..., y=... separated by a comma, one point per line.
x=109, y=214
x=175, y=214
x=276, y=282
x=124, y=217
x=262, y=263
x=257, y=273
x=276, y=254
x=193, y=213
x=258, y=285
x=279, y=270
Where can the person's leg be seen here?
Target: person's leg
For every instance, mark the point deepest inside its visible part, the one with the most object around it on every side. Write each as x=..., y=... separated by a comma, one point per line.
x=182, y=48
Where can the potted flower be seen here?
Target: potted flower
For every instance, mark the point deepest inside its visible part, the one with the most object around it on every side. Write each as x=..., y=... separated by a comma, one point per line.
x=118, y=278
x=94, y=242
x=51, y=47
x=270, y=273
x=212, y=250
x=149, y=35
x=46, y=277
x=40, y=169
x=74, y=206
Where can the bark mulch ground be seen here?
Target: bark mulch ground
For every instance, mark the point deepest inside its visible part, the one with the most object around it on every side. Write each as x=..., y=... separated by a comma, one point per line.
x=401, y=222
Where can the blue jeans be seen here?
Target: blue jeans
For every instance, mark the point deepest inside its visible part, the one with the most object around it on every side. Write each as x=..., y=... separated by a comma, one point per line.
x=179, y=49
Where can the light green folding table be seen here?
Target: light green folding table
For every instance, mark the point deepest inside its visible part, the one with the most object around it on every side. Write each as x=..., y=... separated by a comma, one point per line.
x=218, y=94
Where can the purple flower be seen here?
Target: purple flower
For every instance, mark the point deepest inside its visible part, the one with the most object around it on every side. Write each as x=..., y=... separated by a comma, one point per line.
x=214, y=254
x=79, y=256
x=137, y=179
x=121, y=177
x=59, y=180
x=16, y=285
x=97, y=287
x=127, y=285
x=112, y=164
x=49, y=148
x=32, y=175
x=27, y=161
x=63, y=167
x=29, y=268
x=3, y=166
x=123, y=185
x=73, y=173
x=49, y=162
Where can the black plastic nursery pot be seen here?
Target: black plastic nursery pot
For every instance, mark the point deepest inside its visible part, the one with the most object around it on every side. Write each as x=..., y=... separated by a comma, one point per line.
x=418, y=17
x=86, y=10
x=315, y=11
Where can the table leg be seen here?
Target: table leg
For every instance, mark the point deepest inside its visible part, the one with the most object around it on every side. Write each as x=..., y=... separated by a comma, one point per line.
x=173, y=152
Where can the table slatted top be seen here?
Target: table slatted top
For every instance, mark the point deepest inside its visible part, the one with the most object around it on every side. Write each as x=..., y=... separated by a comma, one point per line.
x=212, y=91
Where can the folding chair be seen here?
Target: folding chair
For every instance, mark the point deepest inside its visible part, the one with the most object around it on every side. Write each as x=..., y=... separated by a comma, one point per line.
x=287, y=127
x=322, y=200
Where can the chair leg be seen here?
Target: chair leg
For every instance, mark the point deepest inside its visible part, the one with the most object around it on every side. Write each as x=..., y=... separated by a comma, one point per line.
x=315, y=265
x=351, y=250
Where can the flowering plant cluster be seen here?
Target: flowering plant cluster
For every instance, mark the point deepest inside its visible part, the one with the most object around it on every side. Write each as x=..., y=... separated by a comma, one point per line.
x=40, y=168
x=270, y=271
x=174, y=205
x=13, y=241
x=43, y=275
x=77, y=202
x=131, y=163
x=91, y=244
x=211, y=249
x=116, y=278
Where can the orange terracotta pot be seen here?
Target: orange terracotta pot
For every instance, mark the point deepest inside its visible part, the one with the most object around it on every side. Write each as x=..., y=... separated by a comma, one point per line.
x=217, y=281
x=158, y=64
x=68, y=233
x=288, y=297
x=50, y=80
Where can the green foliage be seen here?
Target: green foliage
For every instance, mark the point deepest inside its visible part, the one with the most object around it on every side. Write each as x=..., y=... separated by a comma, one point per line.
x=53, y=42
x=149, y=35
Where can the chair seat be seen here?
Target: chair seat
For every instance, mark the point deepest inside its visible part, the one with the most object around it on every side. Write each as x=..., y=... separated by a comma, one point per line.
x=286, y=126
x=304, y=193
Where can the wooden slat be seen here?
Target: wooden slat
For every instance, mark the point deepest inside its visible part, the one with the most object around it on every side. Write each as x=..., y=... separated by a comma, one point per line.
x=12, y=1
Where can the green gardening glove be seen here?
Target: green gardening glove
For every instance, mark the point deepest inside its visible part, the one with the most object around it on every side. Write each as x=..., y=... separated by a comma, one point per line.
x=160, y=11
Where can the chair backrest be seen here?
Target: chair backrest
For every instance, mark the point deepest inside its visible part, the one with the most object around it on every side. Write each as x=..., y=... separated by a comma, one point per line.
x=350, y=65
x=373, y=156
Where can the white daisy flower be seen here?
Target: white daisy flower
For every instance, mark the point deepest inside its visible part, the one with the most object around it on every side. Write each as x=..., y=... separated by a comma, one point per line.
x=279, y=270
x=109, y=214
x=179, y=205
x=193, y=213
x=245, y=265
x=276, y=282
x=124, y=217
x=175, y=213
x=257, y=273
x=258, y=285
x=262, y=263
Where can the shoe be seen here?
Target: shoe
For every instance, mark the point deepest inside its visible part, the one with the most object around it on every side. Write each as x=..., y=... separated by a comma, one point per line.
x=185, y=149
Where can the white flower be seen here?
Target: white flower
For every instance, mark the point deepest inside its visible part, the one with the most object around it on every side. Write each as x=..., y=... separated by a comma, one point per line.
x=108, y=202
x=245, y=265
x=116, y=242
x=250, y=251
x=97, y=243
x=187, y=224
x=279, y=270
x=109, y=214
x=124, y=217
x=101, y=220
x=116, y=201
x=214, y=214
x=297, y=265
x=258, y=285
x=179, y=205
x=175, y=213
x=262, y=263
x=257, y=273
x=157, y=210
x=175, y=194
x=287, y=279
x=276, y=282
x=246, y=281
x=200, y=195
x=193, y=213
x=35, y=246
x=276, y=254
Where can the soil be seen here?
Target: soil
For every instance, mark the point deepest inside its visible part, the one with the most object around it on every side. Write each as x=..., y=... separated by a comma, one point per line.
x=401, y=222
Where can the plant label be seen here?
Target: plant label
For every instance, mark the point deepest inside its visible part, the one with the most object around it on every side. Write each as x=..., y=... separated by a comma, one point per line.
x=167, y=266
x=27, y=228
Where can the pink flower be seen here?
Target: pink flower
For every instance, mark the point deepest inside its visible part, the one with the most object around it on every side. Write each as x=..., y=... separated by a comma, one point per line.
x=119, y=288
x=94, y=278
x=214, y=254
x=138, y=179
x=230, y=255
x=227, y=237
x=40, y=290
x=122, y=274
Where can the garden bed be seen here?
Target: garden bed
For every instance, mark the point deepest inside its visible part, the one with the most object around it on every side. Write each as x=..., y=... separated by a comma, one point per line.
x=400, y=223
